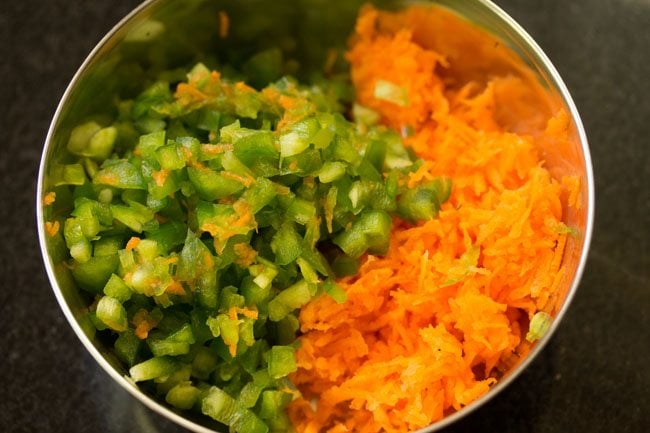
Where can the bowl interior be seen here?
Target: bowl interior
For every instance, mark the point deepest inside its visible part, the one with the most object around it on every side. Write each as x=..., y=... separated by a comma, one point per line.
x=166, y=34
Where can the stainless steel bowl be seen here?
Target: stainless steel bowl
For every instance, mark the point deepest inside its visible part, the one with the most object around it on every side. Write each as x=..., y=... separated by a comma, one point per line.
x=171, y=33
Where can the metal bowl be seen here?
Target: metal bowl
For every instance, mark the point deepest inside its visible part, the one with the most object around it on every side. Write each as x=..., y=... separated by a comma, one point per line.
x=173, y=33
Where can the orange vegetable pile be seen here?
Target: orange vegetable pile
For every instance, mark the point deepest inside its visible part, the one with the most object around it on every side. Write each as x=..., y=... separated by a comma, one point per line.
x=431, y=326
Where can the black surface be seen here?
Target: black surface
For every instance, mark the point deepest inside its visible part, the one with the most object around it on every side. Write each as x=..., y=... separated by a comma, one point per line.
x=594, y=376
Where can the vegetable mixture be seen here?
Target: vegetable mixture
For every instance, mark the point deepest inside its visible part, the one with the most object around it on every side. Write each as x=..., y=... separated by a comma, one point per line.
x=292, y=257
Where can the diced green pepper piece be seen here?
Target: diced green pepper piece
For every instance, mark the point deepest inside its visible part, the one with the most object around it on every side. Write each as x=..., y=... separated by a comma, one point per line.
x=248, y=422
x=230, y=298
x=371, y=230
x=168, y=236
x=307, y=163
x=87, y=214
x=128, y=346
x=220, y=406
x=344, y=150
x=375, y=225
x=93, y=275
x=249, y=394
x=232, y=164
x=162, y=347
x=286, y=244
x=153, y=368
x=387, y=91
x=352, y=242
x=209, y=120
x=281, y=423
x=367, y=171
x=169, y=186
x=150, y=143
x=316, y=260
x=147, y=249
x=285, y=330
x=116, y=288
x=396, y=154
x=331, y=171
x=246, y=331
x=170, y=157
x=107, y=246
x=151, y=278
x=251, y=360
x=344, y=266
x=111, y=312
x=120, y=174
x=539, y=325
x=200, y=329
x=296, y=139
x=175, y=344
x=204, y=363
x=307, y=271
x=273, y=403
x=301, y=211
x=256, y=148
x=260, y=194
x=126, y=261
x=165, y=383
x=101, y=144
x=211, y=185
x=365, y=115
x=80, y=137
x=222, y=326
x=419, y=204
x=442, y=187
x=76, y=241
x=335, y=291
x=288, y=300
x=183, y=395
x=69, y=174
x=159, y=92
x=253, y=293
x=134, y=216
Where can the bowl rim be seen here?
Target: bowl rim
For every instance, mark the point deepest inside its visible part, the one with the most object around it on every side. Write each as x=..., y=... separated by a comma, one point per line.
x=153, y=404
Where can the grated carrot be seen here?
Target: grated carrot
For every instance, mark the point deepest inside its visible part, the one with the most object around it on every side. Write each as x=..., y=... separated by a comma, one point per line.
x=52, y=228
x=160, y=176
x=175, y=288
x=216, y=149
x=429, y=327
x=245, y=254
x=143, y=322
x=49, y=198
x=132, y=243
x=244, y=180
x=224, y=24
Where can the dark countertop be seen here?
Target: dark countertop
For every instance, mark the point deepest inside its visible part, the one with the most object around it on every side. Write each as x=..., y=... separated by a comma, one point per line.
x=594, y=374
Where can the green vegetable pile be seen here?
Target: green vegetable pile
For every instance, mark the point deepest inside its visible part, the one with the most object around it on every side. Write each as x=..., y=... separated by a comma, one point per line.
x=208, y=212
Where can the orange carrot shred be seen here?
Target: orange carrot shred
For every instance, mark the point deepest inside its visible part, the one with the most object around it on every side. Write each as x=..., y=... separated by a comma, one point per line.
x=49, y=198
x=427, y=328
x=244, y=180
x=132, y=243
x=175, y=288
x=52, y=228
x=224, y=24
x=143, y=322
x=160, y=176
x=216, y=149
x=246, y=312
